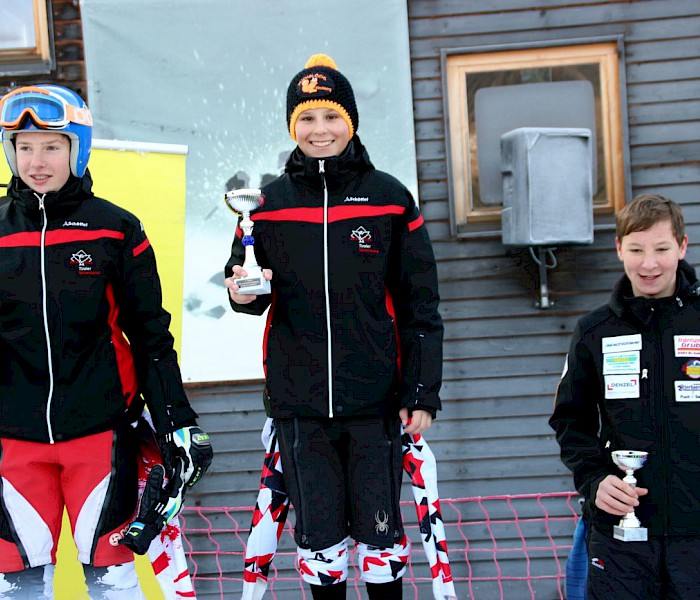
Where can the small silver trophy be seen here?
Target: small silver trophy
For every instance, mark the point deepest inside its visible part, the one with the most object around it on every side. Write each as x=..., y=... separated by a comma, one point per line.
x=630, y=529
x=243, y=202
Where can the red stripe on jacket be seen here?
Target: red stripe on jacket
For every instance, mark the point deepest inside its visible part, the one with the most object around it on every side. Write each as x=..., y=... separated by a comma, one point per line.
x=125, y=360
x=392, y=313
x=268, y=324
x=335, y=213
x=141, y=247
x=415, y=224
x=57, y=236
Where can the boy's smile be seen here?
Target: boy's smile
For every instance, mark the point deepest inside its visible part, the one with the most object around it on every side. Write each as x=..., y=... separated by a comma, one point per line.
x=321, y=132
x=43, y=160
x=651, y=259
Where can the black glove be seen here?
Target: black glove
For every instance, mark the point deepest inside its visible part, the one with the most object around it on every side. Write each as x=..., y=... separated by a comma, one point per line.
x=157, y=506
x=186, y=454
x=191, y=447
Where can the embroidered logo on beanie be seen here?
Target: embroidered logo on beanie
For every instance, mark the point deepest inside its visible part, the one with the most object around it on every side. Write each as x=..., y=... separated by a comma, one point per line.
x=316, y=84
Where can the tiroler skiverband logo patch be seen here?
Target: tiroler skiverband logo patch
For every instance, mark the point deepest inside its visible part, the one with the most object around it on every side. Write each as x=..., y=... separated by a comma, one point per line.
x=83, y=261
x=364, y=240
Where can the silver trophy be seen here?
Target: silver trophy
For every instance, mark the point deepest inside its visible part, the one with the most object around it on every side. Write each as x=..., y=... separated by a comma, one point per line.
x=630, y=529
x=243, y=202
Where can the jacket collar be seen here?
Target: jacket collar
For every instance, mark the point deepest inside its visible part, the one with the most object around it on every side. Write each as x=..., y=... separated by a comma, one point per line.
x=623, y=301
x=26, y=200
x=349, y=164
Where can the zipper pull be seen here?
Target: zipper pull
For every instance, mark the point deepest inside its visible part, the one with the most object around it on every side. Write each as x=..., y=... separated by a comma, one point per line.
x=645, y=373
x=680, y=302
x=322, y=166
x=41, y=201
x=607, y=444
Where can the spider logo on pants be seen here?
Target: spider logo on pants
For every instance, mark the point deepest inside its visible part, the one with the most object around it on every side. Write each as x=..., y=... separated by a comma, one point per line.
x=382, y=520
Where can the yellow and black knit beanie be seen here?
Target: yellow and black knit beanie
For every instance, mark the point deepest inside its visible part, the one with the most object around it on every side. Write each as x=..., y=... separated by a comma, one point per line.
x=321, y=85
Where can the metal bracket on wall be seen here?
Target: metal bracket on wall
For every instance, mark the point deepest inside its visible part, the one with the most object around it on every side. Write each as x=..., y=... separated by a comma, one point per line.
x=544, y=254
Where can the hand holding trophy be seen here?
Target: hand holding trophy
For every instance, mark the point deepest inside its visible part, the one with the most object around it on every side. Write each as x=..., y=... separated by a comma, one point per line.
x=243, y=202
x=630, y=529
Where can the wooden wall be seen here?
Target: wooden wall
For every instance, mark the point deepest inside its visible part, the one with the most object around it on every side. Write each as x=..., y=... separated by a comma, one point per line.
x=68, y=45
x=503, y=356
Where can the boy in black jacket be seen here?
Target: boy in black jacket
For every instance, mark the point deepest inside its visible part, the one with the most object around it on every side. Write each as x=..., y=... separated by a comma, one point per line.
x=353, y=346
x=631, y=383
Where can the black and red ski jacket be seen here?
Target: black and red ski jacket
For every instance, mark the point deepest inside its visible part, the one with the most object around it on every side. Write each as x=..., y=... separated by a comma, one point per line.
x=632, y=382
x=78, y=279
x=353, y=328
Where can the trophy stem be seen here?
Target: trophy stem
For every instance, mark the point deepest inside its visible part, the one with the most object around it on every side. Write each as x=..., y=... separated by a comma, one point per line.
x=630, y=479
x=246, y=224
x=630, y=520
x=249, y=260
x=254, y=282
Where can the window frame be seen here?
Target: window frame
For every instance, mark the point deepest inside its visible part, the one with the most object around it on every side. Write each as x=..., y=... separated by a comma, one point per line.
x=37, y=59
x=607, y=52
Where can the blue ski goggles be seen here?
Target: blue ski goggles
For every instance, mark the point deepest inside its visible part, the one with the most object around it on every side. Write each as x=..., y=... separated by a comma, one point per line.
x=46, y=109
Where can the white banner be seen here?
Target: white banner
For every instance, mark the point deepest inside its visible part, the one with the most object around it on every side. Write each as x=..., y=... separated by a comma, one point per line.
x=213, y=75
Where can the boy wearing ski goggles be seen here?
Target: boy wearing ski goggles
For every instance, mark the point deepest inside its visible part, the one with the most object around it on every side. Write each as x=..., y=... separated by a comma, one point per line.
x=31, y=102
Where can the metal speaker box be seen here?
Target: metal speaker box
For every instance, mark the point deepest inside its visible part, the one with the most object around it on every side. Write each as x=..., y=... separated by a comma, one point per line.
x=547, y=186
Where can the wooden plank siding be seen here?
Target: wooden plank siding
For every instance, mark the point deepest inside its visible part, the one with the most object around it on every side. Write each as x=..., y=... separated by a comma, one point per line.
x=487, y=291
x=503, y=356
x=68, y=45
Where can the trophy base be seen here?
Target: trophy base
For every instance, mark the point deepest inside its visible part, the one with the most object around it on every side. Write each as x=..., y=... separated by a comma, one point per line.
x=253, y=285
x=630, y=534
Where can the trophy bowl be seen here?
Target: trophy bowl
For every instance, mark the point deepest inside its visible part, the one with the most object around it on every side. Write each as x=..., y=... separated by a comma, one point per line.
x=244, y=200
x=629, y=460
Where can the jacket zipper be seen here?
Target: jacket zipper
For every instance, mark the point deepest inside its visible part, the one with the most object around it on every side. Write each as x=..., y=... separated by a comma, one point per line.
x=663, y=423
x=661, y=413
x=322, y=172
x=45, y=311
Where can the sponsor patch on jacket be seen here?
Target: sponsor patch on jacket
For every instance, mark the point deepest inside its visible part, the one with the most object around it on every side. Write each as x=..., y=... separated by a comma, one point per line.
x=687, y=391
x=622, y=343
x=621, y=386
x=692, y=368
x=686, y=345
x=621, y=362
